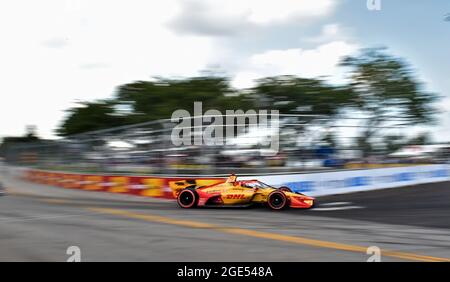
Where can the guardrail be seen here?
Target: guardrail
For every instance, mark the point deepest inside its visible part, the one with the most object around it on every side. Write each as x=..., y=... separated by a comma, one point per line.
x=314, y=184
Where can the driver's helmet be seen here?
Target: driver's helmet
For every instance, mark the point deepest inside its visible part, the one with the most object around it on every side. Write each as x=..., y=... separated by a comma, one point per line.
x=251, y=184
x=231, y=179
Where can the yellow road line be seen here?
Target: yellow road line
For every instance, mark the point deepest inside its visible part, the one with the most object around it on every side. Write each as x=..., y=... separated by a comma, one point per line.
x=248, y=232
x=153, y=218
x=266, y=235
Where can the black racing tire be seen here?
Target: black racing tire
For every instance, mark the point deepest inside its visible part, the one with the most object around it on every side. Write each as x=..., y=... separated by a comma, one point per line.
x=285, y=189
x=277, y=200
x=187, y=198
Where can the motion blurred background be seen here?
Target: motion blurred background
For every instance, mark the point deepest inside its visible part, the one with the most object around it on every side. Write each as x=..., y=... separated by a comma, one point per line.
x=88, y=89
x=94, y=84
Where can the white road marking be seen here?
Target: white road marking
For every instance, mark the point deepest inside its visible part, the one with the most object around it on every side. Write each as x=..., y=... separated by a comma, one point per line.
x=338, y=208
x=335, y=204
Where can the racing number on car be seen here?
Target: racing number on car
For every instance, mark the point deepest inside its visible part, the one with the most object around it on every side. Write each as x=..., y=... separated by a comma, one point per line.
x=235, y=196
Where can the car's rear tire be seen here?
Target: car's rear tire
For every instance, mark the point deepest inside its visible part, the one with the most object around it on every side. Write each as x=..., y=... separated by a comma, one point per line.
x=187, y=198
x=277, y=200
x=285, y=189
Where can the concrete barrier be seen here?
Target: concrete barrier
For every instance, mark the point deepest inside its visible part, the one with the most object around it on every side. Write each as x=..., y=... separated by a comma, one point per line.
x=337, y=182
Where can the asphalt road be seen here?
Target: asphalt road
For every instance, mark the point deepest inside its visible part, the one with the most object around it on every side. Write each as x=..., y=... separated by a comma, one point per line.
x=39, y=223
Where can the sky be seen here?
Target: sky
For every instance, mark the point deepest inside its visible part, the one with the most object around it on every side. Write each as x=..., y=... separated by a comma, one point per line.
x=54, y=53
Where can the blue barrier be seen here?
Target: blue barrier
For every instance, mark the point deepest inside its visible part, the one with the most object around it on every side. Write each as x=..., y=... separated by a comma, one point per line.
x=327, y=183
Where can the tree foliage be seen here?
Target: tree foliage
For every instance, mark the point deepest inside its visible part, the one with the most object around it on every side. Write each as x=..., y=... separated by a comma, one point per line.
x=89, y=116
x=386, y=88
x=29, y=137
x=387, y=92
x=290, y=94
x=381, y=87
x=152, y=100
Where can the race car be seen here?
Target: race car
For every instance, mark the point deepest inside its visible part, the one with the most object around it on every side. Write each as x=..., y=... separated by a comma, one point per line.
x=236, y=193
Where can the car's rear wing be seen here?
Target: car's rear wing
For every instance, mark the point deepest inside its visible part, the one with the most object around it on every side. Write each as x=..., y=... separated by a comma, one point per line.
x=181, y=184
x=178, y=185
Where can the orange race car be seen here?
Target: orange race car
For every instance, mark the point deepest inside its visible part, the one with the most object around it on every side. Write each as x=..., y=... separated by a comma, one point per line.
x=236, y=193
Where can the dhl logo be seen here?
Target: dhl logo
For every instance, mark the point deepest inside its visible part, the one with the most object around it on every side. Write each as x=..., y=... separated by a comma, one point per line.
x=235, y=196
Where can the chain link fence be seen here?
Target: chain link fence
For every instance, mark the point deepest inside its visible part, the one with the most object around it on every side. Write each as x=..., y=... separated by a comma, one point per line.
x=306, y=143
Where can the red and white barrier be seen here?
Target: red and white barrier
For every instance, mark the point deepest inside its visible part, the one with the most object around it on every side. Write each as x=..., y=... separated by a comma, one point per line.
x=146, y=186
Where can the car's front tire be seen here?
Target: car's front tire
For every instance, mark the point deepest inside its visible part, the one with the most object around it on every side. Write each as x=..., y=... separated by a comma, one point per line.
x=277, y=200
x=187, y=198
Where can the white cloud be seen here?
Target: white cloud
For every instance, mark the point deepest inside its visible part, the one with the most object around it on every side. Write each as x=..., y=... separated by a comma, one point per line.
x=329, y=32
x=95, y=46
x=56, y=42
x=308, y=63
x=268, y=11
x=442, y=131
x=98, y=45
x=213, y=17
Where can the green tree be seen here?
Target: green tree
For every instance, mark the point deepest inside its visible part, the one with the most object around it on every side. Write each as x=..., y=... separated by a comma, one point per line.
x=153, y=100
x=387, y=92
x=90, y=116
x=291, y=94
x=393, y=142
x=420, y=139
x=317, y=103
x=29, y=137
x=10, y=142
